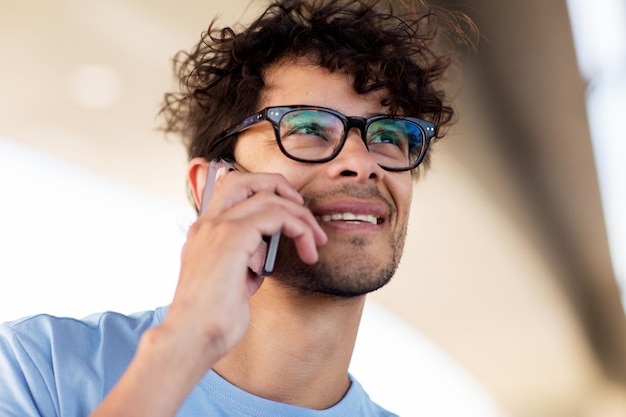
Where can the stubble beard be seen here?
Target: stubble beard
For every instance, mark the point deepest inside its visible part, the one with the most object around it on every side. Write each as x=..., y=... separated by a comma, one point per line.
x=350, y=275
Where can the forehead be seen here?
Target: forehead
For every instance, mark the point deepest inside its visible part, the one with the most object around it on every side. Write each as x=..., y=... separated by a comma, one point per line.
x=292, y=82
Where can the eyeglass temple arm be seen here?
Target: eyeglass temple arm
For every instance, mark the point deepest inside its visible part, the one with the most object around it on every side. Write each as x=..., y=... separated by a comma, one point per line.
x=248, y=121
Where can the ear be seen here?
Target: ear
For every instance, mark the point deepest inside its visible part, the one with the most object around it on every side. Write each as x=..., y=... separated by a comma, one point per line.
x=196, y=174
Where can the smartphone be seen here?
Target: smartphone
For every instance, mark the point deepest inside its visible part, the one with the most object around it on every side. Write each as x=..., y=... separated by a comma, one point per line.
x=262, y=262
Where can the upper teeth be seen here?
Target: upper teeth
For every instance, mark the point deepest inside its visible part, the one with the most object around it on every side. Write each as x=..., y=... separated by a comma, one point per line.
x=349, y=217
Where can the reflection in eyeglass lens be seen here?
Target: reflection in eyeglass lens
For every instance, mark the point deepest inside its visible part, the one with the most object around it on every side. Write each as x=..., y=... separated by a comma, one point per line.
x=314, y=134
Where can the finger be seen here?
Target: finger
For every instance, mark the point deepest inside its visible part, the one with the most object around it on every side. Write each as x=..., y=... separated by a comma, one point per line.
x=233, y=187
x=265, y=223
x=266, y=202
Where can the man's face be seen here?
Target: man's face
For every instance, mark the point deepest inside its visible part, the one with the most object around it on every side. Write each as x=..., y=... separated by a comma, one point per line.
x=362, y=208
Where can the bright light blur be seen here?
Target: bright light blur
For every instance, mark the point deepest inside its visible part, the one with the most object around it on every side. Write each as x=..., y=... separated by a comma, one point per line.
x=599, y=29
x=74, y=243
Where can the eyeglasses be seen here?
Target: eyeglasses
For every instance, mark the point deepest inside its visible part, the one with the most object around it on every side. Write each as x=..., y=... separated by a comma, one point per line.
x=317, y=134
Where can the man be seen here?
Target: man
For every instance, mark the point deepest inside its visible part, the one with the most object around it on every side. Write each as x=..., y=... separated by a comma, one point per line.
x=323, y=111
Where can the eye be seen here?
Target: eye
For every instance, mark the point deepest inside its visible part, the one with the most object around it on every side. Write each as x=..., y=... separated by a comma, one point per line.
x=306, y=128
x=387, y=136
x=387, y=132
x=310, y=124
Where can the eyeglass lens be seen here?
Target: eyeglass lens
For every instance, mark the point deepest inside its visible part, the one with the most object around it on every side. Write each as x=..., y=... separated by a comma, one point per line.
x=316, y=134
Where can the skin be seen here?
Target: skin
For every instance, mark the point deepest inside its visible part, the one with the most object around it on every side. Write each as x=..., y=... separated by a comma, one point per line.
x=273, y=337
x=357, y=255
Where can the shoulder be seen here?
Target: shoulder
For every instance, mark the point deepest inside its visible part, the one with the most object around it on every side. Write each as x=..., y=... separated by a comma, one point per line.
x=56, y=357
x=56, y=337
x=46, y=330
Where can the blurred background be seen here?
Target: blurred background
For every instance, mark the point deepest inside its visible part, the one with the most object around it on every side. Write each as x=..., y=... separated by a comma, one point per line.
x=507, y=301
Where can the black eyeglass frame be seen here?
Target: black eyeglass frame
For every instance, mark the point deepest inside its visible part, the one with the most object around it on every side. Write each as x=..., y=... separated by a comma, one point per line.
x=274, y=114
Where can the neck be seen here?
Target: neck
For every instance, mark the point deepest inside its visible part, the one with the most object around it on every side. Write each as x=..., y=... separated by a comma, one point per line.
x=297, y=348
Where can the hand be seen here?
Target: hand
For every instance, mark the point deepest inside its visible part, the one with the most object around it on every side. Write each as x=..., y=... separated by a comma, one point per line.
x=210, y=311
x=211, y=301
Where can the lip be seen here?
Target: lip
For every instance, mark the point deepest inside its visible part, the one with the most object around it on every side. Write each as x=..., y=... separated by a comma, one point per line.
x=359, y=208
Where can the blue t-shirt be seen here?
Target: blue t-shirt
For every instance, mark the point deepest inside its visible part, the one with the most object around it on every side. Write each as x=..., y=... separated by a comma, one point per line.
x=64, y=367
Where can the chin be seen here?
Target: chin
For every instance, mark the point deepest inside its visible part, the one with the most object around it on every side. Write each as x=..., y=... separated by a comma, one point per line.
x=349, y=276
x=346, y=269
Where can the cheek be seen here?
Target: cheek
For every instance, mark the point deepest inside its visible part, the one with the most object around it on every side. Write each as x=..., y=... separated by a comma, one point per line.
x=254, y=152
x=244, y=147
x=258, y=155
x=256, y=140
x=241, y=150
x=402, y=193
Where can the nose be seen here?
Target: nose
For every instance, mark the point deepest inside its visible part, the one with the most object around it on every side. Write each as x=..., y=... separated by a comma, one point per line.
x=355, y=160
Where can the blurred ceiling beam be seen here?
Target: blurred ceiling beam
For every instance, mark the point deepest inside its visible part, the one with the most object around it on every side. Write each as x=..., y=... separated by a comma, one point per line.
x=527, y=73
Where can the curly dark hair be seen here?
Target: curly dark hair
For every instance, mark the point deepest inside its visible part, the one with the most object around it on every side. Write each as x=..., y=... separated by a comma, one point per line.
x=382, y=46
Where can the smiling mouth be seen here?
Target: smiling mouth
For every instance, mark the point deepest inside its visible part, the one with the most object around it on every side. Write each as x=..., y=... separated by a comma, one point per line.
x=349, y=217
